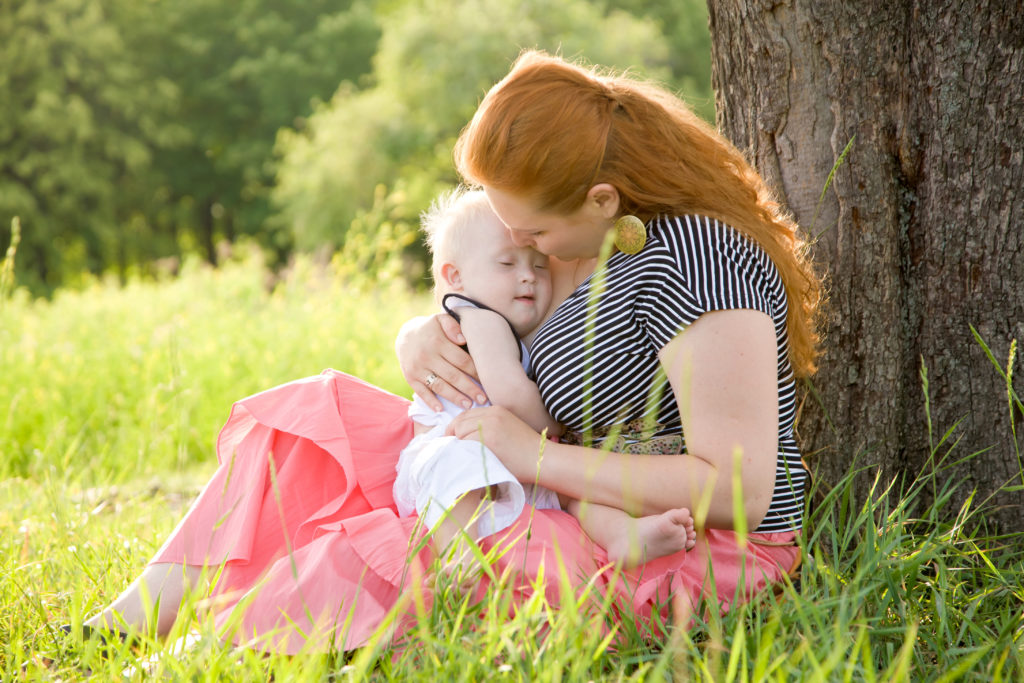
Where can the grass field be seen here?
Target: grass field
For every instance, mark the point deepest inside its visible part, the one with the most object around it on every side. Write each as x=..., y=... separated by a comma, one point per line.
x=110, y=399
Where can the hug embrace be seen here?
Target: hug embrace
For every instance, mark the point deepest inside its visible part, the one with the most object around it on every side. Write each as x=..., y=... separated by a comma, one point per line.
x=629, y=311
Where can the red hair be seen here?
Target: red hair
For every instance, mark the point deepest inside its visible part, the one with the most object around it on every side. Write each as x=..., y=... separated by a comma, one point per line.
x=551, y=130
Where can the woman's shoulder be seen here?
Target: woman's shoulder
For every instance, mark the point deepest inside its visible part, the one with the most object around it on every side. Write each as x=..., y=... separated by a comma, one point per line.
x=697, y=232
x=702, y=244
x=716, y=265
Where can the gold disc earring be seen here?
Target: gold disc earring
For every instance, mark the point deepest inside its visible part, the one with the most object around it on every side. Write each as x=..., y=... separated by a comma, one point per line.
x=630, y=234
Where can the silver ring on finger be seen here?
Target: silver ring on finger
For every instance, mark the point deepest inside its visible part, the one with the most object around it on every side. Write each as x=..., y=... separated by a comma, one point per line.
x=430, y=380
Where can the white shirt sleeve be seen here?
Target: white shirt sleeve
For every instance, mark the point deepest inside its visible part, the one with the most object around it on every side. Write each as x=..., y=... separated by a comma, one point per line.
x=435, y=470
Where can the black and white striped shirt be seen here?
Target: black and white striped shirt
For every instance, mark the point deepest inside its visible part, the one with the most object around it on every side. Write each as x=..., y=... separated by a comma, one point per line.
x=601, y=370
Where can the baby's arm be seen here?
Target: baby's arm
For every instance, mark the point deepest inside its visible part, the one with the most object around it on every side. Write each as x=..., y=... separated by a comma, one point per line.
x=495, y=353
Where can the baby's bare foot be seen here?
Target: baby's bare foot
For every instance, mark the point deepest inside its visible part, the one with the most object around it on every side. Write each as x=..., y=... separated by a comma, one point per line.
x=654, y=536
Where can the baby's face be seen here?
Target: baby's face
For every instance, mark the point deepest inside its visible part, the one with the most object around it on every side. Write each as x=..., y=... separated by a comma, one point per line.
x=514, y=281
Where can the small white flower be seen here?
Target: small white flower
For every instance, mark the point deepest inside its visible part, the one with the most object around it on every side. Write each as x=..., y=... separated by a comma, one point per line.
x=72, y=549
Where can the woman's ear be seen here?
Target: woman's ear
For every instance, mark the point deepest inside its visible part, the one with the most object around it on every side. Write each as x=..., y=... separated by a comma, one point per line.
x=605, y=199
x=452, y=277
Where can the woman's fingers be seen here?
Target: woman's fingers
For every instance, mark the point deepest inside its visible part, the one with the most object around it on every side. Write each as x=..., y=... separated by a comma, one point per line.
x=469, y=424
x=448, y=378
x=513, y=441
x=442, y=387
x=455, y=373
x=451, y=328
x=435, y=366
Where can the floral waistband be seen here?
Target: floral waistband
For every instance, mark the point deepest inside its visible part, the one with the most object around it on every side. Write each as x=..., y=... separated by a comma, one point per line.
x=635, y=438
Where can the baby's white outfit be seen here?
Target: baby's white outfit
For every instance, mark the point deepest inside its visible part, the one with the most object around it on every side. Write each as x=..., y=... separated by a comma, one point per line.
x=435, y=470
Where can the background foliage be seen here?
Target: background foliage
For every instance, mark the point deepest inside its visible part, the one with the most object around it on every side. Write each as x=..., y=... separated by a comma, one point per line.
x=136, y=132
x=116, y=383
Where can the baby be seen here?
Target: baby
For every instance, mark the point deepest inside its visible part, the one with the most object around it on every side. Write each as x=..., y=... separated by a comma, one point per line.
x=500, y=293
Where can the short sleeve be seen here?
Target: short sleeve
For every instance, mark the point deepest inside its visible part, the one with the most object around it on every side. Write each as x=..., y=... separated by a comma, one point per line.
x=709, y=266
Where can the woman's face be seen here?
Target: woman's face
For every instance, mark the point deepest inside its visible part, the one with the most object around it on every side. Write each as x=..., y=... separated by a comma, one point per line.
x=578, y=235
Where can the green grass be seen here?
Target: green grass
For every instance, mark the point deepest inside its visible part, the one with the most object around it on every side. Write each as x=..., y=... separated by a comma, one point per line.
x=115, y=383
x=110, y=399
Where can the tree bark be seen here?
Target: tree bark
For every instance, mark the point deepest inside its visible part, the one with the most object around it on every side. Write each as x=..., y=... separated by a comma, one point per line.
x=920, y=231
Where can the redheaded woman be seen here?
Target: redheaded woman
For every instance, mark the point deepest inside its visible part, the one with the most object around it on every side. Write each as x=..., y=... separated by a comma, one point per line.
x=684, y=346
x=671, y=363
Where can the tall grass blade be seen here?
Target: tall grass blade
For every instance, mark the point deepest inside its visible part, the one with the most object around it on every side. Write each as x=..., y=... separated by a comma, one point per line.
x=824, y=190
x=1011, y=395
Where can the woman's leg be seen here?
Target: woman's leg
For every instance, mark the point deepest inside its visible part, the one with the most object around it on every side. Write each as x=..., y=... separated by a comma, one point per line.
x=332, y=442
x=155, y=594
x=237, y=516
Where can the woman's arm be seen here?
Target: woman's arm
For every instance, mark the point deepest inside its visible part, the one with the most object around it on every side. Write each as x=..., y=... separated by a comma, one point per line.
x=723, y=371
x=432, y=345
x=495, y=352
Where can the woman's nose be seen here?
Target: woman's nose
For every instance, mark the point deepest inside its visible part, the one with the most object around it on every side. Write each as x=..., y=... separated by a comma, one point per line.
x=519, y=239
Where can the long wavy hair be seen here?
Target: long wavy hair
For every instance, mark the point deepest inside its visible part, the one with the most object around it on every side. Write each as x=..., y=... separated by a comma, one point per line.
x=551, y=130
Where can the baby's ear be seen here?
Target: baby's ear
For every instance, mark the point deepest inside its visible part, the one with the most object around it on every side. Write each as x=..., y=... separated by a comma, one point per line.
x=452, y=278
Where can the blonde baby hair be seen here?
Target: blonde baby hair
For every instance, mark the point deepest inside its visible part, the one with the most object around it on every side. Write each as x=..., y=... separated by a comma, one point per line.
x=447, y=224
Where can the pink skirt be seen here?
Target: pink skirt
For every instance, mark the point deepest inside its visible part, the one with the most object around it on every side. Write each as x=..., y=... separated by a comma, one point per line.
x=311, y=554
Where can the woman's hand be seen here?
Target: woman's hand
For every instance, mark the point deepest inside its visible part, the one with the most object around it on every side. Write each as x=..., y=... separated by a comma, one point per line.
x=428, y=349
x=515, y=443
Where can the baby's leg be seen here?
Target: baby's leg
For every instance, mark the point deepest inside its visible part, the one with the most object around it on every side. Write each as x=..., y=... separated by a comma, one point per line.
x=455, y=533
x=634, y=540
x=458, y=522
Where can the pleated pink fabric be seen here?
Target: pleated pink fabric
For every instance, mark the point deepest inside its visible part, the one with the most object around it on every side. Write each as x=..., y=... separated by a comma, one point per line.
x=312, y=554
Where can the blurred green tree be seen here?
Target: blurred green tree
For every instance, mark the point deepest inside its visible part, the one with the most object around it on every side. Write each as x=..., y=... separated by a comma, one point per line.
x=133, y=130
x=684, y=23
x=245, y=69
x=436, y=60
x=78, y=122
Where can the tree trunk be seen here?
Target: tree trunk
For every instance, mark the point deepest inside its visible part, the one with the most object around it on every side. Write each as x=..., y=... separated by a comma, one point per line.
x=921, y=228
